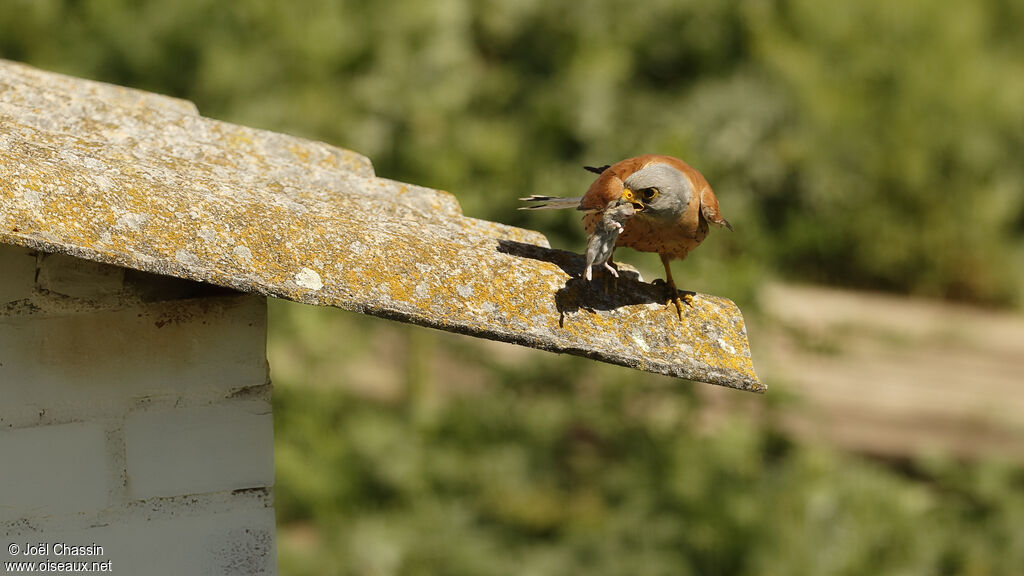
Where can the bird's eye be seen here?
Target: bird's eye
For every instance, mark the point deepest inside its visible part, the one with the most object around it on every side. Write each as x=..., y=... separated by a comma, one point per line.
x=649, y=194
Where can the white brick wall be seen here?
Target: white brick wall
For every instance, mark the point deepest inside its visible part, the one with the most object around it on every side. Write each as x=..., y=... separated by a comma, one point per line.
x=236, y=541
x=213, y=534
x=18, y=272
x=210, y=448
x=196, y=350
x=78, y=278
x=134, y=414
x=40, y=463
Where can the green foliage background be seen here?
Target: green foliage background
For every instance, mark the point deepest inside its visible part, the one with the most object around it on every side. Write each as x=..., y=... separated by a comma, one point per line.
x=863, y=143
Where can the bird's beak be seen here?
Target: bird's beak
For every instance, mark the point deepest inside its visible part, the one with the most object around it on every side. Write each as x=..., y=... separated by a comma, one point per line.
x=629, y=196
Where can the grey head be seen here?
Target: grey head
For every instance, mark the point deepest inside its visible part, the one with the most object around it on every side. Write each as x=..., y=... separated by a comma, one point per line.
x=664, y=191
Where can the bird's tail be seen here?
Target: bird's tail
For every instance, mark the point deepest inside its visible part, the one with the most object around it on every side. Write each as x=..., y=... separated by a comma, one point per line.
x=537, y=202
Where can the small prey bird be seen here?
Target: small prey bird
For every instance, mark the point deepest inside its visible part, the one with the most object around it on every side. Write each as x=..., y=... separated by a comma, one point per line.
x=601, y=244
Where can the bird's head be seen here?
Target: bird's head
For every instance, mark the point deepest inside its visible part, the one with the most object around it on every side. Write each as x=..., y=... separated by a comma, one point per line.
x=658, y=190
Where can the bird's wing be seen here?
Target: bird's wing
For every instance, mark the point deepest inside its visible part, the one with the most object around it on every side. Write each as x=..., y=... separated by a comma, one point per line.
x=709, y=208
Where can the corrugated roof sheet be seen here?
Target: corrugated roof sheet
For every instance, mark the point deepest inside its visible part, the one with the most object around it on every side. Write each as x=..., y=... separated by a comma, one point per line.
x=143, y=181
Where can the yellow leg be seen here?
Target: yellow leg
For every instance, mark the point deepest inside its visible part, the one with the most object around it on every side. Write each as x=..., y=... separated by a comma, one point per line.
x=673, y=291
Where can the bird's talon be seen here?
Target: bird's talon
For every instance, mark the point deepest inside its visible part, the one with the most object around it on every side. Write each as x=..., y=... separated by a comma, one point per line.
x=679, y=307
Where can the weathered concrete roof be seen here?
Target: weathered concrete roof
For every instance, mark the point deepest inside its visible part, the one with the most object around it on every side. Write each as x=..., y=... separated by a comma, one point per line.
x=143, y=181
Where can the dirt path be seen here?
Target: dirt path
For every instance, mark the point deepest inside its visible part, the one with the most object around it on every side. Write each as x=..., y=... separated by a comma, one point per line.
x=895, y=376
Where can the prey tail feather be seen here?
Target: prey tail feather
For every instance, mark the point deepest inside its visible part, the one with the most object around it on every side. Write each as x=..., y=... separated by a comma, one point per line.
x=537, y=202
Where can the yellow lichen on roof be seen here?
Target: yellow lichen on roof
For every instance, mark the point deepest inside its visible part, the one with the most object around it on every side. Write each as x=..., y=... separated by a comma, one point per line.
x=142, y=181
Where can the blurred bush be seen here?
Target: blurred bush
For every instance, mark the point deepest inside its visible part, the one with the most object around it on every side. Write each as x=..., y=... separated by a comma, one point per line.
x=544, y=464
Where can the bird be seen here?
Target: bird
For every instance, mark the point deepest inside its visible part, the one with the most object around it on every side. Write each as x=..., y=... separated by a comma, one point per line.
x=601, y=243
x=673, y=203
